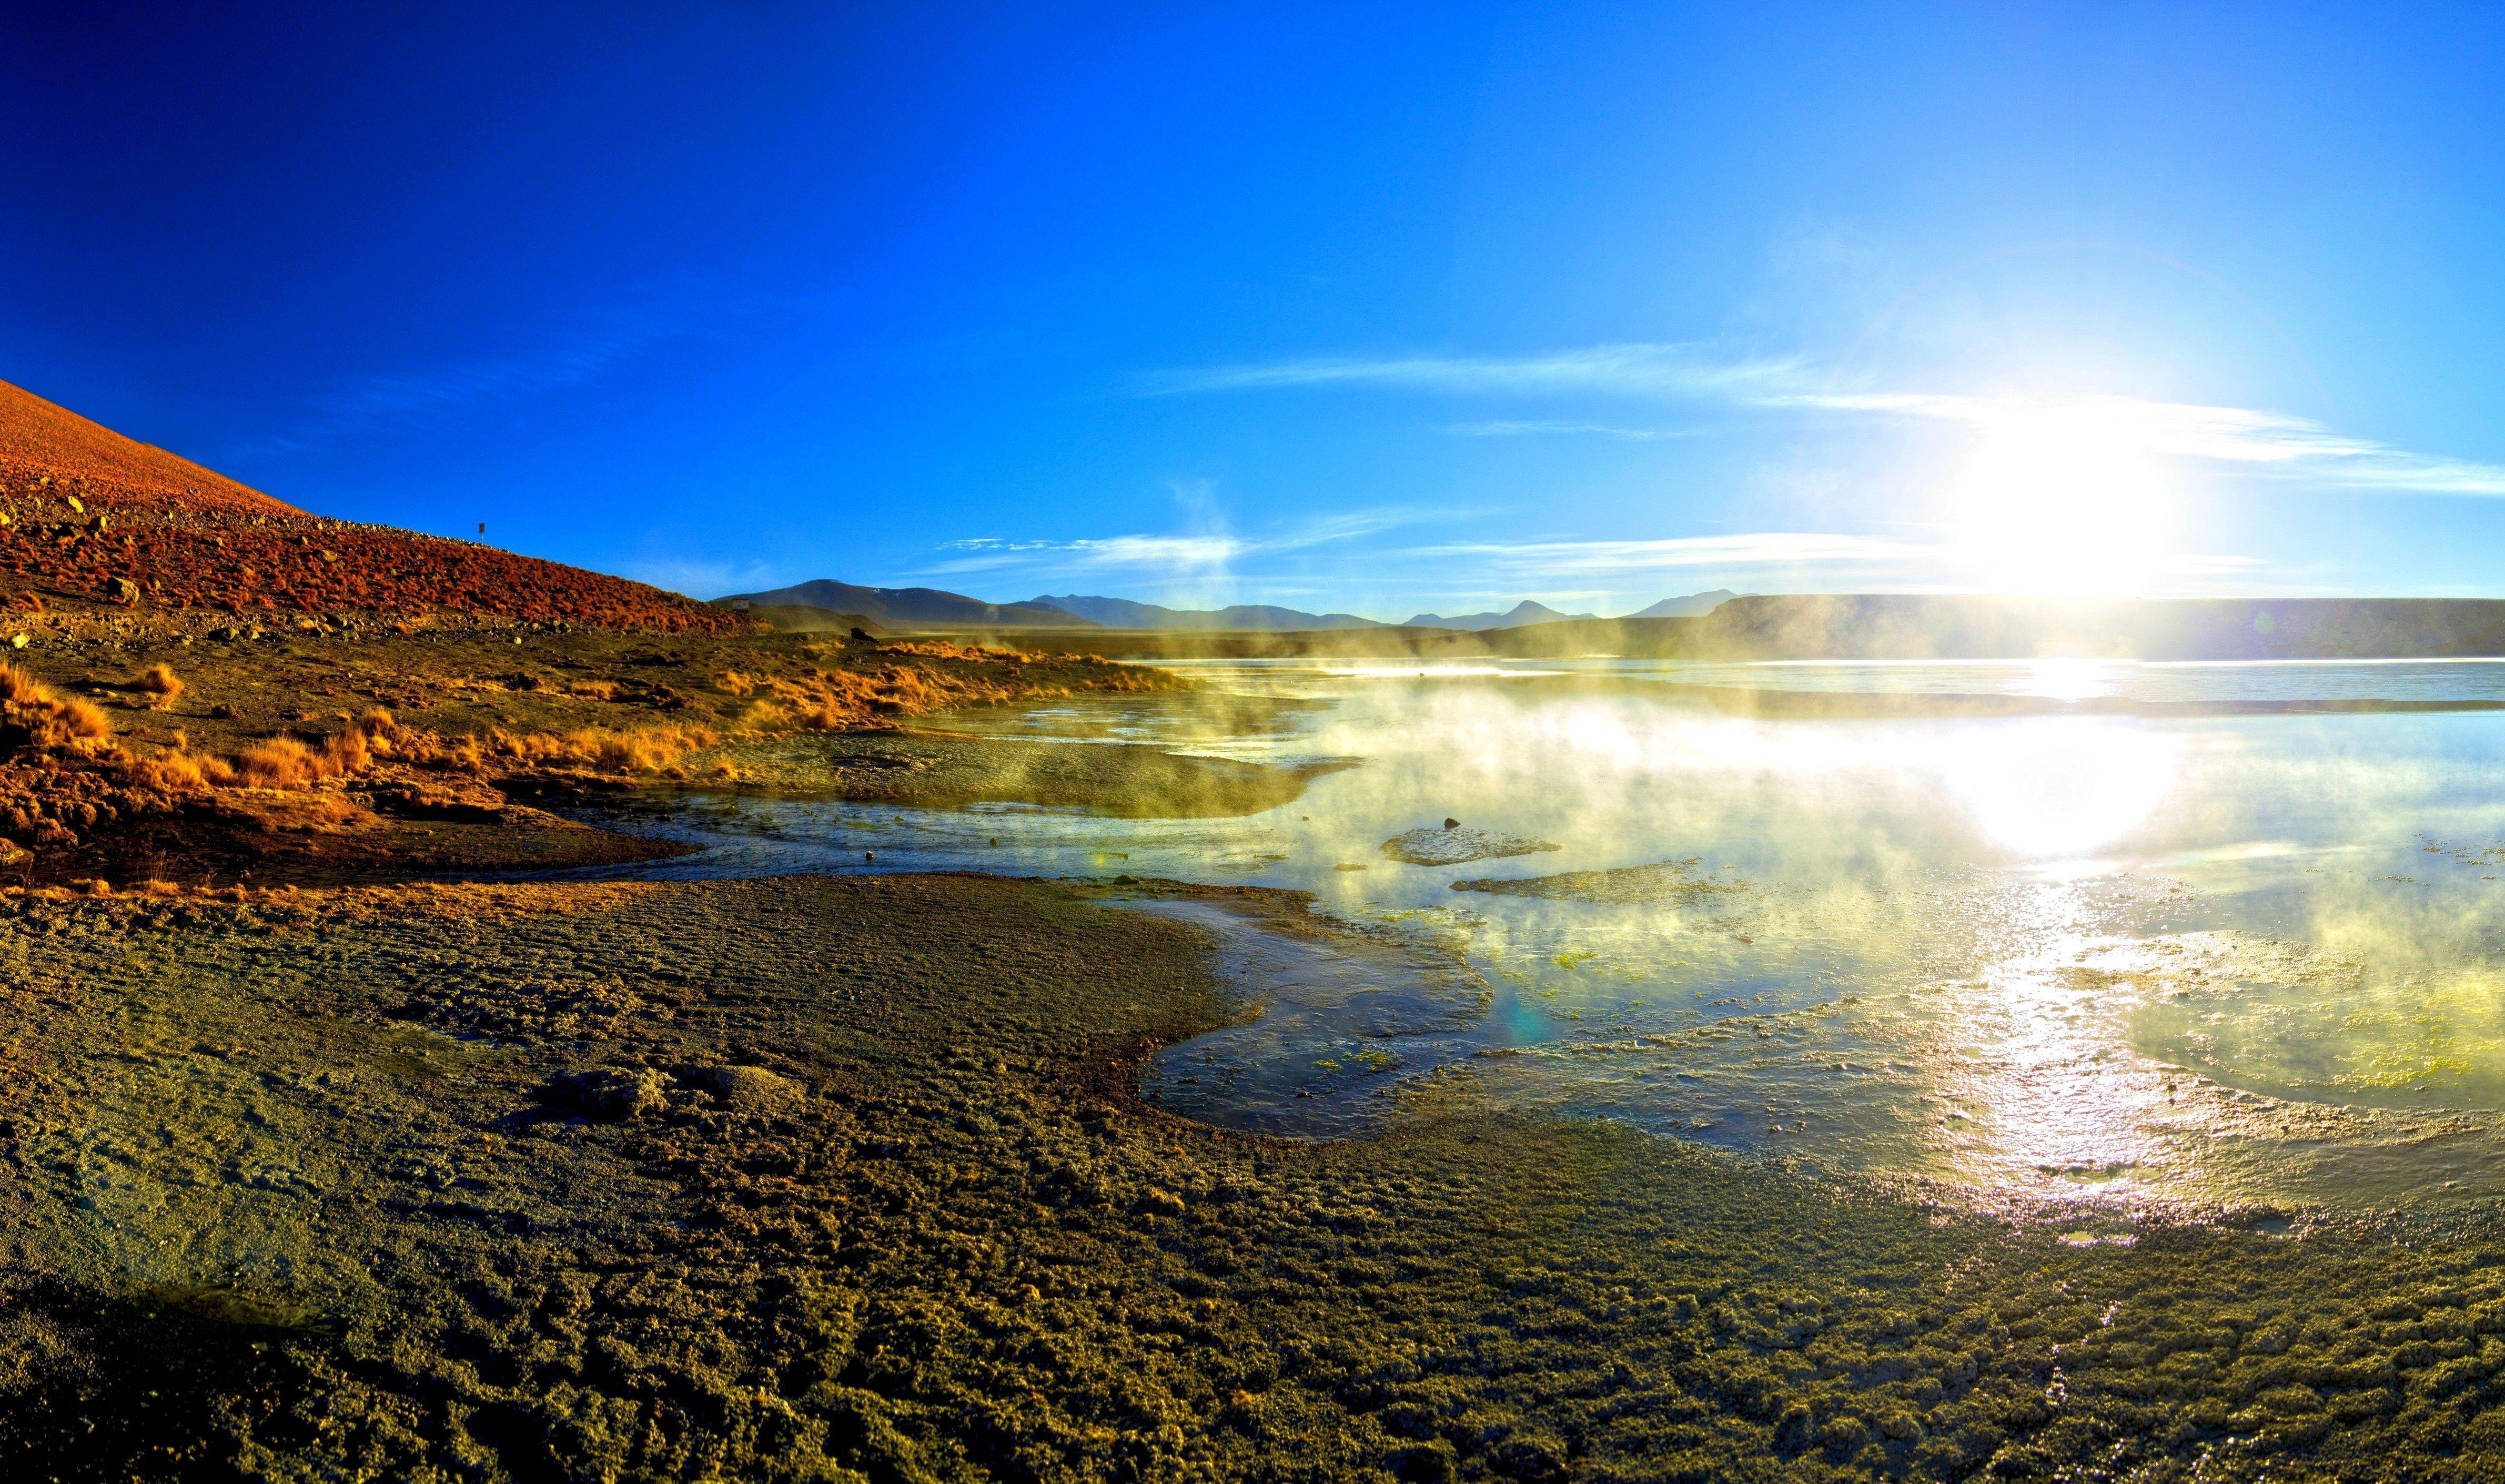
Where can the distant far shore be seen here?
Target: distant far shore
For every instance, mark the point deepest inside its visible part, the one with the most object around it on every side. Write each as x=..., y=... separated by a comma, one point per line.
x=1873, y=626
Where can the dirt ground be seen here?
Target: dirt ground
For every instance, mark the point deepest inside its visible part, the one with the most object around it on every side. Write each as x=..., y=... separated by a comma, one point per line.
x=844, y=1179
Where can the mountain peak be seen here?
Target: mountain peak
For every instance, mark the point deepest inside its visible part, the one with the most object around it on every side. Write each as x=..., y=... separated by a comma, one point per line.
x=1523, y=613
x=1123, y=612
x=1695, y=605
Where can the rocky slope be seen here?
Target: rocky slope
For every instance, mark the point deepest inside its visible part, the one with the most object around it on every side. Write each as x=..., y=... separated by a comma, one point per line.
x=90, y=517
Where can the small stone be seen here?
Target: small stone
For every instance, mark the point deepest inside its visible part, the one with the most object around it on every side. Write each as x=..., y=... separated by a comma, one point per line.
x=1450, y=823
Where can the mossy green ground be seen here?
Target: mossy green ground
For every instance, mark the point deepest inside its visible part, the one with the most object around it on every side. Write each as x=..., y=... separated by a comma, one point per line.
x=377, y=1186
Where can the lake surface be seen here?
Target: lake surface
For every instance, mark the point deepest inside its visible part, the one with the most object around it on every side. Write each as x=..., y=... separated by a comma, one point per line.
x=2218, y=961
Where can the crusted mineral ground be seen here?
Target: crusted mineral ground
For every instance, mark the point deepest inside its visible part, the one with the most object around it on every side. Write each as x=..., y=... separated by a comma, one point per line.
x=820, y=1178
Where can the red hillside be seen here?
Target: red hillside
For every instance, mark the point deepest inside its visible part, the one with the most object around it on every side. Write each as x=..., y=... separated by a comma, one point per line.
x=93, y=515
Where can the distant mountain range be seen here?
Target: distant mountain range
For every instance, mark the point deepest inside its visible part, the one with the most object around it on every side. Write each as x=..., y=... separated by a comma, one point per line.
x=1695, y=605
x=1520, y=614
x=1123, y=612
x=910, y=607
x=931, y=607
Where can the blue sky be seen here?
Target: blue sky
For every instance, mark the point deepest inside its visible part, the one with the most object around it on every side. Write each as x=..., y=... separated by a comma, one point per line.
x=1375, y=308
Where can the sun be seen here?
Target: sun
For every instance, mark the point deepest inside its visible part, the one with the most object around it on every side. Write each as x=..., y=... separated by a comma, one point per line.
x=2063, y=500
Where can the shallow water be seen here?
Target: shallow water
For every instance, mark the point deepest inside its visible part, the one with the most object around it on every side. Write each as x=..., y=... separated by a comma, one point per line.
x=2224, y=960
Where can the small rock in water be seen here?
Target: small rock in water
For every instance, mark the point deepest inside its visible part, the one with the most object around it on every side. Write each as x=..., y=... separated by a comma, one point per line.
x=1452, y=824
x=869, y=855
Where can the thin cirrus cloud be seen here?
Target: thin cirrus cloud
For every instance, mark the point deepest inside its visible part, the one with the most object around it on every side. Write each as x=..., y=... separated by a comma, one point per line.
x=1639, y=369
x=1185, y=555
x=1761, y=551
x=1756, y=549
x=1524, y=429
x=2254, y=439
x=1157, y=553
x=2273, y=441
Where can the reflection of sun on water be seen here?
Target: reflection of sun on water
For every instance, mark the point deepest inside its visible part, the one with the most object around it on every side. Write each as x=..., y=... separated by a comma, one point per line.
x=2070, y=680
x=2063, y=500
x=2056, y=789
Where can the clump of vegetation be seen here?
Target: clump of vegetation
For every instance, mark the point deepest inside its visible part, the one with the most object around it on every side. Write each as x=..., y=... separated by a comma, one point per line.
x=285, y=763
x=598, y=748
x=34, y=718
x=161, y=682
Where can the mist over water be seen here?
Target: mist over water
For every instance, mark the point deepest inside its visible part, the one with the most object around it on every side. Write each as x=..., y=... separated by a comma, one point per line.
x=2221, y=961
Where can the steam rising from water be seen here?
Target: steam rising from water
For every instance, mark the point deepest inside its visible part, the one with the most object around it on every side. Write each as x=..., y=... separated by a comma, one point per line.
x=2225, y=960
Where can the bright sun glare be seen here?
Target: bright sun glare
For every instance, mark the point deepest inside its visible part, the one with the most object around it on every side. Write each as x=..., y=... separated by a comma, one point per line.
x=2063, y=500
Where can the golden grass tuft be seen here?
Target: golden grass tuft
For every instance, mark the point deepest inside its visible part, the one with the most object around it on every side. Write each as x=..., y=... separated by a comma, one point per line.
x=183, y=774
x=160, y=680
x=50, y=720
x=281, y=762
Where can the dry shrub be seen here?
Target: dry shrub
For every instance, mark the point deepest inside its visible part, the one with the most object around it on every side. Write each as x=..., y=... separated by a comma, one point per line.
x=940, y=648
x=345, y=754
x=732, y=683
x=284, y=763
x=44, y=720
x=183, y=774
x=595, y=690
x=84, y=721
x=596, y=748
x=160, y=680
x=281, y=762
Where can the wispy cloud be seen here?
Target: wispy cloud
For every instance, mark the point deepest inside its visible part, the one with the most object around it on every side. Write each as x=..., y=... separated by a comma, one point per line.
x=1155, y=553
x=701, y=578
x=560, y=356
x=416, y=396
x=1533, y=429
x=1755, y=555
x=1759, y=549
x=2273, y=440
x=1625, y=369
x=1186, y=555
x=2257, y=440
